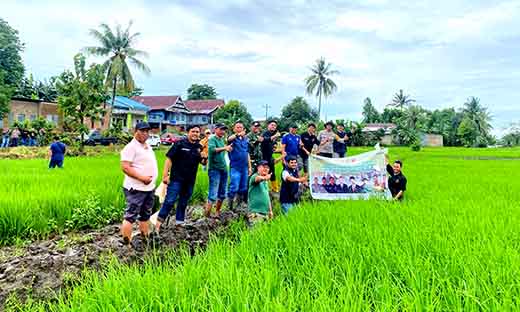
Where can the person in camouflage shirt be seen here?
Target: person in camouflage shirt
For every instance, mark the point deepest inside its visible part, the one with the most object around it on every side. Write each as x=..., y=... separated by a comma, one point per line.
x=255, y=140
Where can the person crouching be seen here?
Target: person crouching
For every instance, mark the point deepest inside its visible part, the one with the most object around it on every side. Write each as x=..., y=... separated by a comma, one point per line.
x=259, y=203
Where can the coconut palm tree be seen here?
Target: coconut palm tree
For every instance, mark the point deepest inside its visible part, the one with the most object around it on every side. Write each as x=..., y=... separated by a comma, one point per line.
x=118, y=46
x=400, y=100
x=479, y=115
x=319, y=82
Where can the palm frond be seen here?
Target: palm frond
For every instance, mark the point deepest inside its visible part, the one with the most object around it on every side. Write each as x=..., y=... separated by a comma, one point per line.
x=139, y=65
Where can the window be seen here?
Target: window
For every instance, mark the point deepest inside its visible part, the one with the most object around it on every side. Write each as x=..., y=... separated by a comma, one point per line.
x=204, y=118
x=52, y=118
x=1, y=124
x=10, y=118
x=33, y=117
x=20, y=117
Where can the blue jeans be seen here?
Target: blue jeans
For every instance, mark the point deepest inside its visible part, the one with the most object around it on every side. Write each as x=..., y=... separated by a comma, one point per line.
x=5, y=141
x=286, y=207
x=217, y=184
x=238, y=181
x=56, y=163
x=180, y=190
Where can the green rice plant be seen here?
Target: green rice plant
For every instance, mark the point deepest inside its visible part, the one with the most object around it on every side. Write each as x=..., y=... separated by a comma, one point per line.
x=452, y=245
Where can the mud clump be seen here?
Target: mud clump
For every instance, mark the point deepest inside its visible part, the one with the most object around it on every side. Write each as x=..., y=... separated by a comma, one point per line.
x=43, y=268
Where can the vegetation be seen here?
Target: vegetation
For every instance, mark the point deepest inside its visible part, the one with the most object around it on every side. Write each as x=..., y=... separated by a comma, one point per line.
x=45, y=90
x=119, y=47
x=297, y=112
x=201, y=92
x=319, y=82
x=233, y=111
x=38, y=201
x=81, y=95
x=444, y=249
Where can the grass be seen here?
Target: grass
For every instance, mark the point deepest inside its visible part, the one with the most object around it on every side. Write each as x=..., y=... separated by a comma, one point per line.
x=453, y=245
x=36, y=201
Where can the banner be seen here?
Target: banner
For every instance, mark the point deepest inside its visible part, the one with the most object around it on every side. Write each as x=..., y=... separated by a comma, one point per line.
x=361, y=176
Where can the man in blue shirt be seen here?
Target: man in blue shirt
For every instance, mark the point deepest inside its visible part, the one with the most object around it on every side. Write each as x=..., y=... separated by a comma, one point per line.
x=57, y=153
x=291, y=143
x=239, y=164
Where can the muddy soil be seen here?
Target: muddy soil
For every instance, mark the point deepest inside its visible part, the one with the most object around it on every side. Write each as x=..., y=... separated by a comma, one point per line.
x=43, y=268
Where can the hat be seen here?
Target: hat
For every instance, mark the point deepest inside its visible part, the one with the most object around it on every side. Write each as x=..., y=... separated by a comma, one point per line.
x=263, y=163
x=256, y=124
x=143, y=125
x=221, y=126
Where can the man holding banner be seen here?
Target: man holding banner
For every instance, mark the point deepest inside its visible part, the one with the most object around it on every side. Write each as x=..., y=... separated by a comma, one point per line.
x=396, y=181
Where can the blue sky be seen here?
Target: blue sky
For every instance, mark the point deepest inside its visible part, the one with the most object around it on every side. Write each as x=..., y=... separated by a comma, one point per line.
x=440, y=52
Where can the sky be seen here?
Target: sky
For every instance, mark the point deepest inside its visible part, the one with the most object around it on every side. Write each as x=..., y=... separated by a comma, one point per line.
x=259, y=52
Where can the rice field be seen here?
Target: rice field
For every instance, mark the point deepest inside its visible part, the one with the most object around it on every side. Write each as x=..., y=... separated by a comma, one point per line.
x=453, y=245
x=36, y=201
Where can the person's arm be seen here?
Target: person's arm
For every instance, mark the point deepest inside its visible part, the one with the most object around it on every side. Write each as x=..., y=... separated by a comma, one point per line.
x=398, y=195
x=249, y=167
x=284, y=144
x=231, y=138
x=126, y=166
x=260, y=178
x=403, y=188
x=337, y=138
x=166, y=170
x=50, y=153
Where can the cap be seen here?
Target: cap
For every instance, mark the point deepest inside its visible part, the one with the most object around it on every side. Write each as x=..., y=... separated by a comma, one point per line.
x=221, y=126
x=142, y=125
x=263, y=163
x=256, y=124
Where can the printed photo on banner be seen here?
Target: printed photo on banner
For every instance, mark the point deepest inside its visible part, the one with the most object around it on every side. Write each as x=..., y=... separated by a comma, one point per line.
x=358, y=177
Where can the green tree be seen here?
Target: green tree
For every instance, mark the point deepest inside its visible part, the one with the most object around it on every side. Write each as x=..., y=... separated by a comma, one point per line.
x=135, y=92
x=298, y=111
x=118, y=46
x=481, y=119
x=10, y=55
x=445, y=122
x=81, y=94
x=512, y=138
x=319, y=82
x=5, y=96
x=401, y=101
x=233, y=111
x=370, y=113
x=391, y=115
x=468, y=132
x=201, y=92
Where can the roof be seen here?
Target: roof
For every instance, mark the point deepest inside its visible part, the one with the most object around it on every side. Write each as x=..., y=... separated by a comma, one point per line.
x=125, y=103
x=203, y=106
x=161, y=102
x=387, y=127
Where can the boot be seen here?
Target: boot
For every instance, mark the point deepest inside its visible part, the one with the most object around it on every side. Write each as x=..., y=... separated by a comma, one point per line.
x=231, y=202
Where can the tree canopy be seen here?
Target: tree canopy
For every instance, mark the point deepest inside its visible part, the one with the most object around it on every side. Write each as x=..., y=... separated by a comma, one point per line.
x=201, y=92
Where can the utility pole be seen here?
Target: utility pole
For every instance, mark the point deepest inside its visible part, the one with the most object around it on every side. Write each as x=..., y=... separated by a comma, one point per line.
x=266, y=111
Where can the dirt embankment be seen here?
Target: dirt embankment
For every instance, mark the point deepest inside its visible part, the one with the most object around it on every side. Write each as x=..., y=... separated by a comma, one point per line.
x=45, y=267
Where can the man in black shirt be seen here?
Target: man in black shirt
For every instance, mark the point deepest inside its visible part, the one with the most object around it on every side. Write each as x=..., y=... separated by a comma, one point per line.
x=396, y=181
x=182, y=163
x=308, y=139
x=270, y=136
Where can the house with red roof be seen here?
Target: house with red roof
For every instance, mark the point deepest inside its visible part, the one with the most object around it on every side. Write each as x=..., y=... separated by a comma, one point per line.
x=172, y=111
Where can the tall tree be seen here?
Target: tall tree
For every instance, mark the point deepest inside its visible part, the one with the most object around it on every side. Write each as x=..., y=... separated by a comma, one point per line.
x=481, y=119
x=118, y=46
x=201, y=92
x=5, y=96
x=81, y=94
x=400, y=100
x=298, y=111
x=370, y=113
x=10, y=55
x=233, y=111
x=319, y=82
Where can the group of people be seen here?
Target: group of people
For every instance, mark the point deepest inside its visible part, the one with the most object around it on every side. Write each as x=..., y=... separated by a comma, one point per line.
x=243, y=182
x=21, y=137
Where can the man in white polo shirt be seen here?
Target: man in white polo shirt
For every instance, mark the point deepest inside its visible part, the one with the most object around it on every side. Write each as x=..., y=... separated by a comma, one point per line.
x=140, y=167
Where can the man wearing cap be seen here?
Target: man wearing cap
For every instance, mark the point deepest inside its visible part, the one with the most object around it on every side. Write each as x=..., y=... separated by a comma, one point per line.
x=326, y=138
x=239, y=165
x=180, y=171
x=291, y=143
x=309, y=140
x=289, y=192
x=217, y=169
x=255, y=141
x=259, y=203
x=140, y=167
x=271, y=135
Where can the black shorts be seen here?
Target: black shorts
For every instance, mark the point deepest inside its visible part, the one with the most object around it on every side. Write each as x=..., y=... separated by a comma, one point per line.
x=139, y=205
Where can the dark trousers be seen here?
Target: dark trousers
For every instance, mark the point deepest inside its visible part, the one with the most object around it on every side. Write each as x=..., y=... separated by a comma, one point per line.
x=56, y=163
x=176, y=190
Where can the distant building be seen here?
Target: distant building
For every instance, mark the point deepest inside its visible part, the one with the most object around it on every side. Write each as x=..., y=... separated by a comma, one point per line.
x=171, y=111
x=125, y=112
x=373, y=127
x=22, y=109
x=201, y=111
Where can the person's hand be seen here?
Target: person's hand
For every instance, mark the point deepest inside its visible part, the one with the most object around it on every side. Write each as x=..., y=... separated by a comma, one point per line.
x=146, y=179
x=228, y=148
x=268, y=177
x=260, y=139
x=166, y=180
x=270, y=214
x=250, y=171
x=386, y=158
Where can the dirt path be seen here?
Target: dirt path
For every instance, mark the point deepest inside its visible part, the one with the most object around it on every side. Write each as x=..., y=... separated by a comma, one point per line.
x=46, y=267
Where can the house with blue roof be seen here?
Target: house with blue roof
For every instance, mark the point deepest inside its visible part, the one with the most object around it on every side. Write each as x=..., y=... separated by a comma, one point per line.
x=128, y=112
